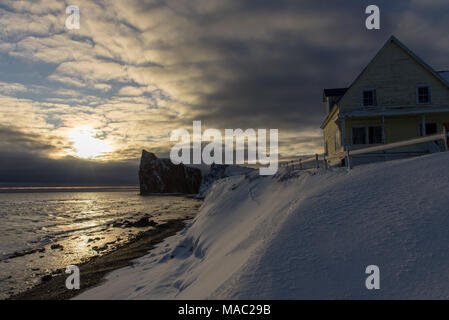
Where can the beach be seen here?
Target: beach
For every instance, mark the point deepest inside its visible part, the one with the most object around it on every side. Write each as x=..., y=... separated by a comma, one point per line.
x=43, y=233
x=93, y=271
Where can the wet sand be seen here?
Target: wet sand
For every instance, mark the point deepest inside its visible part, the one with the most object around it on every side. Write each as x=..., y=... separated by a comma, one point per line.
x=93, y=271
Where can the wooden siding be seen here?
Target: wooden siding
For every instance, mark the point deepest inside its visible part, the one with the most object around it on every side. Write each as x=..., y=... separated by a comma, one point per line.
x=395, y=75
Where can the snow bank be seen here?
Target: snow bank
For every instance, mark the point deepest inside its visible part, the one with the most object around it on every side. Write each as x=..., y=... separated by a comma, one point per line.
x=220, y=171
x=307, y=234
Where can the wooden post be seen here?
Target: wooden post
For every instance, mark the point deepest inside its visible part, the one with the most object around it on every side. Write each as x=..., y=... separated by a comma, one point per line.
x=423, y=125
x=325, y=162
x=348, y=160
x=317, y=161
x=384, y=140
x=300, y=164
x=445, y=139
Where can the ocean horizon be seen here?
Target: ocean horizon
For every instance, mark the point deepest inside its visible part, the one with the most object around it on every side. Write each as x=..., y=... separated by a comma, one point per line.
x=33, y=188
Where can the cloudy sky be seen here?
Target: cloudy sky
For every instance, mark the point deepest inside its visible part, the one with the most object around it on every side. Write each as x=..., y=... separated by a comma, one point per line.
x=137, y=69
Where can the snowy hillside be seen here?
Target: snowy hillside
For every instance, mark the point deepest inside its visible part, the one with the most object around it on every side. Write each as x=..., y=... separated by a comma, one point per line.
x=309, y=234
x=220, y=171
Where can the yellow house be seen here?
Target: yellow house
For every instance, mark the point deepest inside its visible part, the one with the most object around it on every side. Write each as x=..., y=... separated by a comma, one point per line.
x=396, y=97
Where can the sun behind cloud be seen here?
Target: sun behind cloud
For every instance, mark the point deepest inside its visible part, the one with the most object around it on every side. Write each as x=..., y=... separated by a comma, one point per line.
x=86, y=145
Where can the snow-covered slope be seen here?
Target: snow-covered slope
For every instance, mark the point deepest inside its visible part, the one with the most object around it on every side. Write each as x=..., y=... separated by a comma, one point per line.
x=220, y=171
x=307, y=234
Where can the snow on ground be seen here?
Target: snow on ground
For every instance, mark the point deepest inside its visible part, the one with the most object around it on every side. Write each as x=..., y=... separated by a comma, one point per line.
x=306, y=234
x=220, y=171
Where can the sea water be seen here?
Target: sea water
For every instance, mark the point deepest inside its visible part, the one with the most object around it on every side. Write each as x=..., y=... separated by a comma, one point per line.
x=43, y=232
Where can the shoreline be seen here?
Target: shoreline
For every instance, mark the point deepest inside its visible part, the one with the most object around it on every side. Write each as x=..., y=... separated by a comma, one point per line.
x=93, y=271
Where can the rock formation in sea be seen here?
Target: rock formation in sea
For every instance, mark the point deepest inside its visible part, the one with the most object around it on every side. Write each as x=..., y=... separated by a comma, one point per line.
x=162, y=176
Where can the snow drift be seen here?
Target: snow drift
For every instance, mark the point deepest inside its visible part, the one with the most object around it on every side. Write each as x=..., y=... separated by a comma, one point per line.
x=306, y=234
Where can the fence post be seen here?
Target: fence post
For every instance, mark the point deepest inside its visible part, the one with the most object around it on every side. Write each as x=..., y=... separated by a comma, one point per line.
x=348, y=160
x=445, y=139
x=300, y=164
x=317, y=162
x=325, y=161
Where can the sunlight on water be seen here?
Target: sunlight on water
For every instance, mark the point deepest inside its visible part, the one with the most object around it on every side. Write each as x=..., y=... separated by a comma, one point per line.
x=44, y=232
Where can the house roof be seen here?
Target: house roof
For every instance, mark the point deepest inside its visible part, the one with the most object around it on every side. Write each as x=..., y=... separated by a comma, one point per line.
x=419, y=60
x=332, y=113
x=443, y=76
x=411, y=53
x=335, y=92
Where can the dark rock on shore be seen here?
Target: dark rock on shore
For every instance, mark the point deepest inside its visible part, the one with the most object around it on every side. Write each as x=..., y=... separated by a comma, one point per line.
x=46, y=278
x=162, y=176
x=99, y=249
x=26, y=252
x=141, y=223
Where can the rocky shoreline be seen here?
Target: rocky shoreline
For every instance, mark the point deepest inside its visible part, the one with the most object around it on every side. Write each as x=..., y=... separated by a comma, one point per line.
x=92, y=272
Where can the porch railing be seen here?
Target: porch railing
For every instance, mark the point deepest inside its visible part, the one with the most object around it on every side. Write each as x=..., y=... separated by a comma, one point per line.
x=388, y=146
x=318, y=161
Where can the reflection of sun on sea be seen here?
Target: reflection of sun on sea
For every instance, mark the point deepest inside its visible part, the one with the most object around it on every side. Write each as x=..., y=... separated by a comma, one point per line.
x=85, y=145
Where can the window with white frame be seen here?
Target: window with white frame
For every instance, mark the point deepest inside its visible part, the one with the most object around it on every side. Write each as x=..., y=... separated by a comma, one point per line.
x=369, y=98
x=423, y=94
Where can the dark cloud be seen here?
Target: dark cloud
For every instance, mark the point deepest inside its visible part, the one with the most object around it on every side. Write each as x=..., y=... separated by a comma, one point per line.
x=24, y=159
x=278, y=77
x=229, y=63
x=25, y=168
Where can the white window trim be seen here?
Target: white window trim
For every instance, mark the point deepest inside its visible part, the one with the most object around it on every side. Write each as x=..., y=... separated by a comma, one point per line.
x=423, y=85
x=363, y=90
